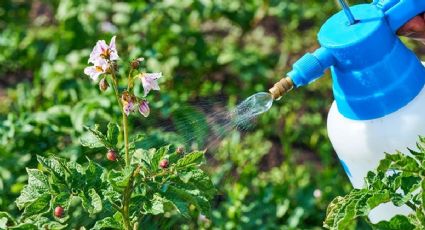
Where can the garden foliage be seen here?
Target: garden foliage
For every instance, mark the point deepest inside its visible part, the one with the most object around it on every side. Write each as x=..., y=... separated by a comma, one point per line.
x=399, y=179
x=280, y=175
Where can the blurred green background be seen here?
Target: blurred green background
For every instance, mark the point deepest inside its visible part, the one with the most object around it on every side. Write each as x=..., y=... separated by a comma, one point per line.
x=280, y=174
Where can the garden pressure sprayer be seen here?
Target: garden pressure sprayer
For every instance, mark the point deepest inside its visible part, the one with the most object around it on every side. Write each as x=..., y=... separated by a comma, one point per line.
x=378, y=86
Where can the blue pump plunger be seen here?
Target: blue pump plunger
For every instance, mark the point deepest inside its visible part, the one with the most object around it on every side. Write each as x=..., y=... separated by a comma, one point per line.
x=374, y=73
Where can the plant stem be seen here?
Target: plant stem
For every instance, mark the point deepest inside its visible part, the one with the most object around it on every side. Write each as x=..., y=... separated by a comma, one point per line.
x=126, y=198
x=124, y=117
x=411, y=205
x=130, y=80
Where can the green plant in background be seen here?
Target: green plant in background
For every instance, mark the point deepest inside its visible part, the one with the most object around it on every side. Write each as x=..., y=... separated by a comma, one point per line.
x=224, y=49
x=136, y=184
x=400, y=179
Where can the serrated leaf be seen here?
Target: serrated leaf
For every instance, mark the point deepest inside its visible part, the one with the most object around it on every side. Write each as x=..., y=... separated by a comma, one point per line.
x=52, y=164
x=101, y=138
x=396, y=223
x=24, y=226
x=95, y=175
x=6, y=219
x=36, y=187
x=203, y=182
x=120, y=179
x=38, y=206
x=91, y=201
x=63, y=199
x=189, y=159
x=89, y=140
x=182, y=199
x=113, y=132
x=155, y=205
x=107, y=223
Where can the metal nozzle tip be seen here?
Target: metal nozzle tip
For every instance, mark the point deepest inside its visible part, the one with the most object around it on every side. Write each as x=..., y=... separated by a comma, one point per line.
x=280, y=88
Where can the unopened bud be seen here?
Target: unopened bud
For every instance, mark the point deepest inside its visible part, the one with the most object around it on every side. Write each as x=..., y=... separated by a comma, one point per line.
x=103, y=84
x=136, y=63
x=163, y=164
x=111, y=155
x=180, y=150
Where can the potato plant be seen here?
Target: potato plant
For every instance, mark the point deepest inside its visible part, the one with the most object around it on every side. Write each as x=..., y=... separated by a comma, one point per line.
x=135, y=185
x=404, y=185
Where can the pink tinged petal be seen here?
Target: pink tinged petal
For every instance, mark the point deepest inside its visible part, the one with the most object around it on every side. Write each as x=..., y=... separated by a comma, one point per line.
x=112, y=43
x=101, y=46
x=113, y=56
x=144, y=108
x=95, y=54
x=150, y=82
x=93, y=72
x=154, y=76
x=128, y=107
x=113, y=53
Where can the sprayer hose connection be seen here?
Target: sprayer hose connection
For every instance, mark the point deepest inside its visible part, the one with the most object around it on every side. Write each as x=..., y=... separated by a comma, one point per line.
x=282, y=87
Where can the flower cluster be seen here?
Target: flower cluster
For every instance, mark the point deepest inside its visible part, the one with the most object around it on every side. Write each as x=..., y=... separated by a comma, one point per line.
x=104, y=57
x=101, y=58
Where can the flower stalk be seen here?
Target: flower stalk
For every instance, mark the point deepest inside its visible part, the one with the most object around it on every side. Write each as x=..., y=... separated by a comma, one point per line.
x=103, y=59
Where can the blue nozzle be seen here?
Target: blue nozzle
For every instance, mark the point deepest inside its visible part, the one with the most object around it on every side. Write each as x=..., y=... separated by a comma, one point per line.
x=311, y=66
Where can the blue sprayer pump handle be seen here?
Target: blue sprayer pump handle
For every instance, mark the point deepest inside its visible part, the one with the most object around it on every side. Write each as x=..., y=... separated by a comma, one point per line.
x=374, y=73
x=398, y=12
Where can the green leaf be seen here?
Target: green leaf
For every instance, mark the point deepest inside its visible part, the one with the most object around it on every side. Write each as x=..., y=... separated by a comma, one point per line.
x=53, y=165
x=36, y=187
x=396, y=223
x=158, y=156
x=24, y=226
x=95, y=175
x=92, y=202
x=154, y=206
x=377, y=199
x=76, y=178
x=113, y=132
x=90, y=141
x=182, y=198
x=38, y=206
x=203, y=182
x=63, y=199
x=107, y=223
x=190, y=159
x=101, y=139
x=120, y=179
x=6, y=220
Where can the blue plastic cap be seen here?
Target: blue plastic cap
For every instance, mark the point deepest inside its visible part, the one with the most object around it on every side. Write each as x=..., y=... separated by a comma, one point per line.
x=374, y=73
x=310, y=67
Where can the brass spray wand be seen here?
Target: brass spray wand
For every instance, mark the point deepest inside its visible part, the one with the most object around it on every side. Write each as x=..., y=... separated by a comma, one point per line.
x=282, y=87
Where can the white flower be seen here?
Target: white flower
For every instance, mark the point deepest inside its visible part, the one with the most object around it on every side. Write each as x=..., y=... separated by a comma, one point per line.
x=100, y=67
x=103, y=51
x=144, y=108
x=150, y=81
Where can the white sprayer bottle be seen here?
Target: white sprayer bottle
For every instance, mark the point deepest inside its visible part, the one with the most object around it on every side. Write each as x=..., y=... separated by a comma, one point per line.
x=378, y=86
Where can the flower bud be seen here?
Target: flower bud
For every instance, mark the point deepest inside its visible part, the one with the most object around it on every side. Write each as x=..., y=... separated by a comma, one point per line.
x=111, y=155
x=136, y=63
x=103, y=84
x=59, y=211
x=163, y=164
x=180, y=150
x=144, y=108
